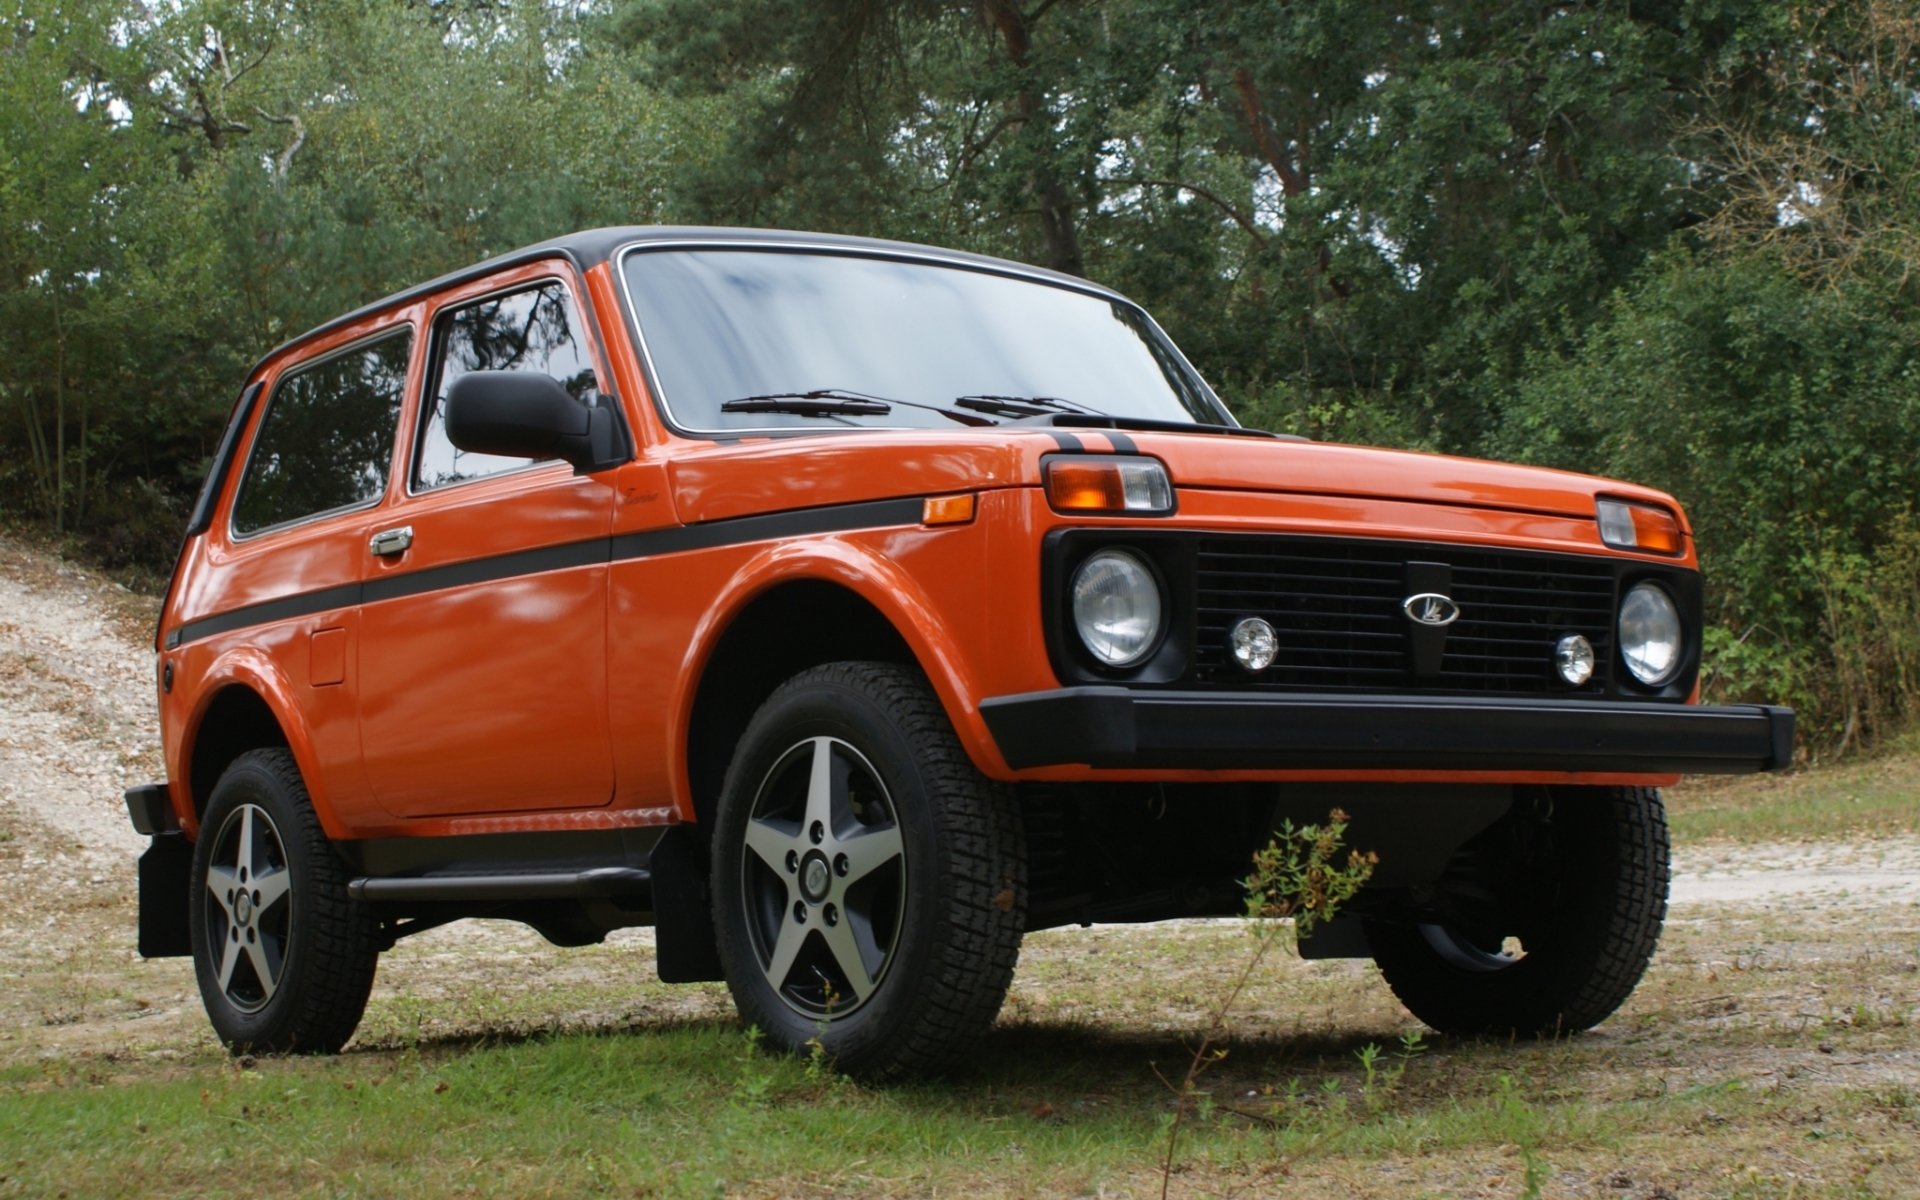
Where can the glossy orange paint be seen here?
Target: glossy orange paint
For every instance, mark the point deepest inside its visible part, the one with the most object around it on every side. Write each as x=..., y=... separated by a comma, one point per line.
x=562, y=697
x=489, y=697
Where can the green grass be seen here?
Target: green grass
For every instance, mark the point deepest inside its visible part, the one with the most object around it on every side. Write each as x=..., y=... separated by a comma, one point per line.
x=1868, y=797
x=692, y=1111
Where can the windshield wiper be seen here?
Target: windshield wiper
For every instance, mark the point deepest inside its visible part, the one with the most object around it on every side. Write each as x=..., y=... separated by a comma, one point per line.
x=821, y=402
x=1069, y=414
x=838, y=402
x=1021, y=406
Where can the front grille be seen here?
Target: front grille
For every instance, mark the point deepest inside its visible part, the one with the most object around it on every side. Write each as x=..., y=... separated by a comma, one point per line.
x=1336, y=608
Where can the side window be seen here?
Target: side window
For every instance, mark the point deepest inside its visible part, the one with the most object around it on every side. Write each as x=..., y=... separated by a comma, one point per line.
x=533, y=330
x=327, y=436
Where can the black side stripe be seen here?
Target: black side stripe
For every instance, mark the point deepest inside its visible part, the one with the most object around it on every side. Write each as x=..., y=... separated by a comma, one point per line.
x=733, y=531
x=1066, y=441
x=562, y=557
x=299, y=604
x=1122, y=444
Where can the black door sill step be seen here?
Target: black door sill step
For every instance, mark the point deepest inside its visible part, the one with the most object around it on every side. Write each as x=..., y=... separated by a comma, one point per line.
x=597, y=883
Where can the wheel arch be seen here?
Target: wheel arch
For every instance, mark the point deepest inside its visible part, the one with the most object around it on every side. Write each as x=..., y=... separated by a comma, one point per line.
x=798, y=605
x=779, y=631
x=246, y=707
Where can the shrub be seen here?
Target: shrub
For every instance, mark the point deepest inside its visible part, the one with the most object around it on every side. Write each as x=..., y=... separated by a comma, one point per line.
x=1786, y=418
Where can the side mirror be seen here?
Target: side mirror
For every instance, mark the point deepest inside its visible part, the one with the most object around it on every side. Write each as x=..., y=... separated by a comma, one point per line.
x=527, y=414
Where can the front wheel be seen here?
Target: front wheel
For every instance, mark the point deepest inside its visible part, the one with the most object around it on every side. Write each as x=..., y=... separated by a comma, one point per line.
x=284, y=957
x=869, y=882
x=1543, y=924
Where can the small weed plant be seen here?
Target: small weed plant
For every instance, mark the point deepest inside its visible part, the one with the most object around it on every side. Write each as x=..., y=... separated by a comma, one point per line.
x=1524, y=1124
x=754, y=1086
x=1383, y=1078
x=763, y=1079
x=1299, y=881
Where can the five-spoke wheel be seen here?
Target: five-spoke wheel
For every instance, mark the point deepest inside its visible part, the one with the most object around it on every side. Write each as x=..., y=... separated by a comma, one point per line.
x=869, y=883
x=247, y=898
x=283, y=955
x=824, y=880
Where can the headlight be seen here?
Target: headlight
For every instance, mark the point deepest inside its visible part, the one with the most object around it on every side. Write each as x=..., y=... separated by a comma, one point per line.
x=1117, y=607
x=1650, y=634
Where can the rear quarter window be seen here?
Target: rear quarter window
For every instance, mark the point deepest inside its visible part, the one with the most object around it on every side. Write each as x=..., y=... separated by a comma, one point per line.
x=326, y=441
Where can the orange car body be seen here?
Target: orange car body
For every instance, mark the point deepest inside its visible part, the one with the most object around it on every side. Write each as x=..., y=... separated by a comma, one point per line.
x=548, y=649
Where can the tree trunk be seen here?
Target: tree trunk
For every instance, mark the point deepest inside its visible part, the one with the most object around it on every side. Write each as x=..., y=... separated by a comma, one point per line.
x=37, y=447
x=1059, y=222
x=59, y=418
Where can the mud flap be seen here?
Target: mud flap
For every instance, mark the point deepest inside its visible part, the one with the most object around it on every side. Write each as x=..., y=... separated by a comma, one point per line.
x=165, y=871
x=685, y=948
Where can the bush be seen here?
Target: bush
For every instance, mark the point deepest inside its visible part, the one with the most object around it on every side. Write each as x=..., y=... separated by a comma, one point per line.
x=1786, y=418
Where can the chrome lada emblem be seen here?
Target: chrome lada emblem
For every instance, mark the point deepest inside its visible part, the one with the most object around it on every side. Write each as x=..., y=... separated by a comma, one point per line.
x=1430, y=608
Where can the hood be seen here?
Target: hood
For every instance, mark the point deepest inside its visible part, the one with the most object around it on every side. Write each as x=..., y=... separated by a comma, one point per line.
x=1328, y=469
x=731, y=479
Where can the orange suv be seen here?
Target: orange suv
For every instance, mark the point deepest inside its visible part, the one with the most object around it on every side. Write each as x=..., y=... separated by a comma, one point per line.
x=845, y=609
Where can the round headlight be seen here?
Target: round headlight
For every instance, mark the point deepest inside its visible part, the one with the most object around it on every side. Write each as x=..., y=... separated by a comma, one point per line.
x=1116, y=607
x=1650, y=634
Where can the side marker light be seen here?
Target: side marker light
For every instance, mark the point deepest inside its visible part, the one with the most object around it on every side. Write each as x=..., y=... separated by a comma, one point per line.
x=947, y=510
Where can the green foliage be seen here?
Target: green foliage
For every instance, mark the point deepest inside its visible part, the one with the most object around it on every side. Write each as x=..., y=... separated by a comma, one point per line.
x=1305, y=874
x=181, y=187
x=1788, y=419
x=1670, y=242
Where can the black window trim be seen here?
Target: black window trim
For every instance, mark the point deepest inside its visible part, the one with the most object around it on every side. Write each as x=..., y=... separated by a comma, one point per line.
x=234, y=535
x=430, y=377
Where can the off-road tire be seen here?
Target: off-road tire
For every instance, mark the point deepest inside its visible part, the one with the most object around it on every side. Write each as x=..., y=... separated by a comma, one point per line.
x=959, y=910
x=1595, y=918
x=314, y=1000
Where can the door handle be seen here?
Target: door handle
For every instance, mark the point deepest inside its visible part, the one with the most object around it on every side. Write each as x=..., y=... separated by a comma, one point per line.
x=391, y=541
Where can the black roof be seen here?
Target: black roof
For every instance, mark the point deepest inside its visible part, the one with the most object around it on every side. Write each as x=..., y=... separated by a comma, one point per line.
x=590, y=247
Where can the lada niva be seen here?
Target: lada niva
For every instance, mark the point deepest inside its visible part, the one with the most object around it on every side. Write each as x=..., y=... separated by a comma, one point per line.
x=846, y=609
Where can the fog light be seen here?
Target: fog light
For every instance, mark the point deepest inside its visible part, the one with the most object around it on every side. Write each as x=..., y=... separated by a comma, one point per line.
x=1254, y=644
x=1573, y=658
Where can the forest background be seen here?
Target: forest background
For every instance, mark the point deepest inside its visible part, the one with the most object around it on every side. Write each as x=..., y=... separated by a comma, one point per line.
x=1673, y=241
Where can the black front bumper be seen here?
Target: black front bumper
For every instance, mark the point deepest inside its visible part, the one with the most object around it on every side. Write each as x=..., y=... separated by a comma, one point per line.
x=1141, y=729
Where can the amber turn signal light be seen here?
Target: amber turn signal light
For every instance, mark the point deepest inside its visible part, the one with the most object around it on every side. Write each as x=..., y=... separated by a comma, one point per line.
x=1100, y=484
x=1639, y=527
x=947, y=510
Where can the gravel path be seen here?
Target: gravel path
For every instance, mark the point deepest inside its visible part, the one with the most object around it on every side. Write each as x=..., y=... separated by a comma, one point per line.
x=1884, y=869
x=77, y=720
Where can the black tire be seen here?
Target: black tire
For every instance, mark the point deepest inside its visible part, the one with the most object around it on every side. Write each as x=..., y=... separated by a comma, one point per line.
x=1579, y=877
x=284, y=957
x=908, y=866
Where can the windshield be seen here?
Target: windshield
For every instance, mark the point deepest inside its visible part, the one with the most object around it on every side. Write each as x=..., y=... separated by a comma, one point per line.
x=729, y=324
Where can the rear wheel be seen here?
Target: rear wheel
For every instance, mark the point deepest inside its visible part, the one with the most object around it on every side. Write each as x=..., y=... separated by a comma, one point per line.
x=869, y=883
x=1544, y=924
x=284, y=957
